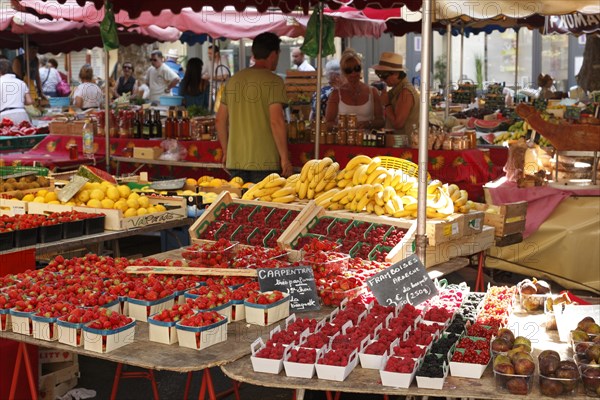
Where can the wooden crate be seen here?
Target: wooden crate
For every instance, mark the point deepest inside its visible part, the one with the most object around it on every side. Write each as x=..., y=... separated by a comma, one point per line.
x=13, y=207
x=473, y=222
x=225, y=198
x=115, y=221
x=57, y=378
x=49, y=188
x=445, y=230
x=299, y=85
x=507, y=219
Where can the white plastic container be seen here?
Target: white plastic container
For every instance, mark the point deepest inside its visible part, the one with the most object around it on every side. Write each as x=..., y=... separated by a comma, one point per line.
x=266, y=365
x=337, y=373
x=397, y=379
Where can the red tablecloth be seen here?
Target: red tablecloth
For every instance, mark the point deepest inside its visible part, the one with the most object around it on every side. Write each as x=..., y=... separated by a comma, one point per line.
x=469, y=169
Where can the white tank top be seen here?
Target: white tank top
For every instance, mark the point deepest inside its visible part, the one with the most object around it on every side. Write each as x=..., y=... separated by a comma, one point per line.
x=364, y=112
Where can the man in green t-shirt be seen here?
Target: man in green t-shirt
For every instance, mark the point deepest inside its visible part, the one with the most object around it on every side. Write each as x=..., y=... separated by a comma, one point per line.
x=250, y=121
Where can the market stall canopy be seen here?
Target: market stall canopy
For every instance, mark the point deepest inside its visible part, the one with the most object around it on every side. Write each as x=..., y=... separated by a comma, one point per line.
x=136, y=8
x=56, y=36
x=228, y=23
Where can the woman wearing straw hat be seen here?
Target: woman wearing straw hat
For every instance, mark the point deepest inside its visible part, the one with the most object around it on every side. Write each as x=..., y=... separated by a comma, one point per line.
x=354, y=96
x=401, y=103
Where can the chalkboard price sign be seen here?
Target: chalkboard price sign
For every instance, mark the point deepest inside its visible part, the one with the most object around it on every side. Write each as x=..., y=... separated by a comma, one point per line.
x=405, y=282
x=299, y=282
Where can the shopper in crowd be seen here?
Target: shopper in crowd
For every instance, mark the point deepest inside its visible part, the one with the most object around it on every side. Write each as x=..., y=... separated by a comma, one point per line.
x=401, y=103
x=193, y=88
x=54, y=64
x=250, y=122
x=50, y=78
x=15, y=95
x=19, y=67
x=126, y=82
x=547, y=89
x=171, y=62
x=216, y=70
x=300, y=61
x=88, y=94
x=334, y=80
x=355, y=96
x=160, y=78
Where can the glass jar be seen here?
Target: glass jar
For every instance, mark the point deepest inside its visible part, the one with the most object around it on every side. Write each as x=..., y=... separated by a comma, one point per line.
x=342, y=121
x=351, y=137
x=340, y=136
x=352, y=121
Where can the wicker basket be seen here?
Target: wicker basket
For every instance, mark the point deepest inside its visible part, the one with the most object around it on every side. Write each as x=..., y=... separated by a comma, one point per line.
x=408, y=167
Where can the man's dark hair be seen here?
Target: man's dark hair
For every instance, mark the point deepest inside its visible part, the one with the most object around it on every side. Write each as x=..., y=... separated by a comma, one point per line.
x=53, y=62
x=264, y=44
x=214, y=48
x=157, y=53
x=4, y=66
x=401, y=75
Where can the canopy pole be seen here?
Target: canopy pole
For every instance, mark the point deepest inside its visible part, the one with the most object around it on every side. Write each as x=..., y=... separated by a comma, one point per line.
x=106, y=111
x=211, y=76
x=448, y=68
x=516, y=66
x=421, y=239
x=26, y=59
x=319, y=81
x=462, y=51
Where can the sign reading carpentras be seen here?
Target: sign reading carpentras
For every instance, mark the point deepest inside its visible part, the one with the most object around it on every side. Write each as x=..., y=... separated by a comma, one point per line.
x=299, y=282
x=405, y=282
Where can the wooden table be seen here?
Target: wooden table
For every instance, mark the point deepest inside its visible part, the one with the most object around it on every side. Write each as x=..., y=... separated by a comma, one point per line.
x=142, y=162
x=368, y=381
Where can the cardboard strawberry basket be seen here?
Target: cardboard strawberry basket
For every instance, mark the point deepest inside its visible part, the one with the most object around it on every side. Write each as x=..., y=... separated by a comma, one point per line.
x=142, y=309
x=107, y=340
x=70, y=333
x=44, y=328
x=267, y=314
x=201, y=337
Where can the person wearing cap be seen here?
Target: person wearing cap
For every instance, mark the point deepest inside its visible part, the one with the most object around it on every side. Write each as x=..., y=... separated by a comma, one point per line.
x=15, y=95
x=171, y=62
x=19, y=67
x=160, y=78
x=354, y=96
x=334, y=79
x=402, y=102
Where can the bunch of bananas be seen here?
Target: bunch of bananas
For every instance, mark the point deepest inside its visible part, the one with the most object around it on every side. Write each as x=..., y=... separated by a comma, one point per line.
x=273, y=188
x=316, y=177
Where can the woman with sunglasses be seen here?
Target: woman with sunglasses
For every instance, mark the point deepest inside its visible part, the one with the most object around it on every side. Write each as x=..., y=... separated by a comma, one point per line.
x=354, y=96
x=127, y=82
x=402, y=102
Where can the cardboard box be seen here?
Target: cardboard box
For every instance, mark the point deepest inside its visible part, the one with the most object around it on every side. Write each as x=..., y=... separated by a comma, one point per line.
x=448, y=229
x=208, y=335
x=473, y=222
x=105, y=341
x=147, y=153
x=13, y=207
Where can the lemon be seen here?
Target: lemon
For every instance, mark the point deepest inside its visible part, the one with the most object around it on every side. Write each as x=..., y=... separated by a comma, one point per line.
x=121, y=205
x=142, y=211
x=131, y=212
x=190, y=181
x=160, y=207
x=83, y=196
x=188, y=193
x=41, y=193
x=39, y=199
x=107, y=203
x=152, y=209
x=96, y=185
x=216, y=182
x=70, y=203
x=133, y=195
x=97, y=194
x=94, y=203
x=205, y=178
x=113, y=193
x=237, y=180
x=124, y=191
x=88, y=186
x=50, y=196
x=28, y=197
x=143, y=201
x=54, y=202
x=133, y=203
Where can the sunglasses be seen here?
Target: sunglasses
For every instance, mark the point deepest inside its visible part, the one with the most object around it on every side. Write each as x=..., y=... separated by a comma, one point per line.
x=349, y=70
x=154, y=59
x=127, y=67
x=383, y=75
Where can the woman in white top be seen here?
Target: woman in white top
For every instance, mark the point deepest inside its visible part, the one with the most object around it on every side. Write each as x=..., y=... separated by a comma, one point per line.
x=87, y=94
x=50, y=78
x=15, y=95
x=355, y=96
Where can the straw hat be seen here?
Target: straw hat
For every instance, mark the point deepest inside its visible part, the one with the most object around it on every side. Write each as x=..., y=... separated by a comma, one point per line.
x=390, y=62
x=173, y=53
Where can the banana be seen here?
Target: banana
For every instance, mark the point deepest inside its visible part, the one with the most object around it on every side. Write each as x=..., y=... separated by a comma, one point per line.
x=344, y=201
x=389, y=207
x=362, y=204
x=277, y=182
x=452, y=188
x=293, y=178
x=375, y=173
x=327, y=194
x=335, y=206
x=433, y=186
x=341, y=194
x=266, y=191
x=323, y=164
x=302, y=190
x=401, y=214
x=388, y=179
x=310, y=193
x=375, y=162
x=349, y=173
x=297, y=185
x=379, y=210
x=251, y=193
x=343, y=183
x=354, y=205
x=330, y=185
x=370, y=206
x=396, y=178
x=379, y=199
x=331, y=171
x=413, y=192
x=359, y=173
x=464, y=196
x=314, y=170
x=286, y=191
x=352, y=193
x=348, y=206
x=284, y=199
x=324, y=203
x=321, y=186
x=408, y=200
x=410, y=207
x=340, y=175
x=266, y=198
x=398, y=206
x=308, y=166
x=378, y=187
x=388, y=193
x=358, y=160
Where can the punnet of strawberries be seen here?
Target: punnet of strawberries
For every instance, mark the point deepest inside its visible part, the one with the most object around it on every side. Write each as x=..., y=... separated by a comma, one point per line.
x=109, y=320
x=174, y=314
x=210, y=255
x=245, y=291
x=265, y=298
x=80, y=315
x=209, y=296
x=205, y=318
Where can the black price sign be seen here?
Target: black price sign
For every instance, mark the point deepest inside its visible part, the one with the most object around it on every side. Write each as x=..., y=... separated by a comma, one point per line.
x=405, y=282
x=299, y=282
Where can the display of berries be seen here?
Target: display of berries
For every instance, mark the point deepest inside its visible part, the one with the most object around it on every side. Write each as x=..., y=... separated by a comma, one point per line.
x=226, y=231
x=472, y=356
x=320, y=227
x=303, y=356
x=313, y=245
x=174, y=314
x=437, y=314
x=204, y=318
x=444, y=344
x=378, y=347
x=209, y=296
x=394, y=237
x=53, y=309
x=210, y=255
x=482, y=331
x=301, y=324
x=337, y=229
x=316, y=340
x=210, y=232
x=245, y=290
x=470, y=344
x=356, y=233
x=265, y=298
x=109, y=320
x=283, y=338
x=338, y=358
x=81, y=315
x=404, y=349
x=402, y=365
x=272, y=352
x=432, y=367
x=457, y=325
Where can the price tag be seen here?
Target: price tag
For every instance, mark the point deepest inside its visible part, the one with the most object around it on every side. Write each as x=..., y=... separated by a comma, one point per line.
x=299, y=282
x=405, y=282
x=71, y=188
